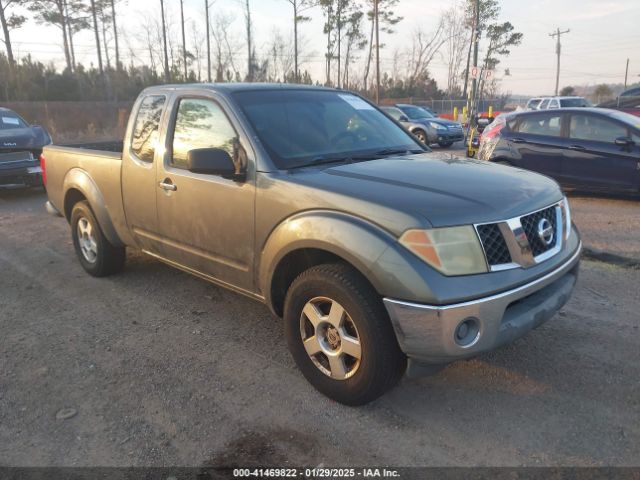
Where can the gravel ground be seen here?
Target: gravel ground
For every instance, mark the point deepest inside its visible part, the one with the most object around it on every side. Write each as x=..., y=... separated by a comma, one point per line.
x=155, y=367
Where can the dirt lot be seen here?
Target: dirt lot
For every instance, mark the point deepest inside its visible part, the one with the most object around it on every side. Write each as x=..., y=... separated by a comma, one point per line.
x=160, y=368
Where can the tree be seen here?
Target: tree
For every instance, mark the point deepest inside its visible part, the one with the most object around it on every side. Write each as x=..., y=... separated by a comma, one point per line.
x=167, y=74
x=224, y=48
x=10, y=22
x=424, y=48
x=184, y=41
x=299, y=7
x=456, y=41
x=380, y=13
x=251, y=54
x=567, y=91
x=489, y=10
x=115, y=34
x=501, y=38
x=207, y=19
x=355, y=40
x=58, y=13
x=602, y=92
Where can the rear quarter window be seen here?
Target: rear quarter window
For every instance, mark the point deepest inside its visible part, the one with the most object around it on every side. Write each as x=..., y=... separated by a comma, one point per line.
x=145, y=130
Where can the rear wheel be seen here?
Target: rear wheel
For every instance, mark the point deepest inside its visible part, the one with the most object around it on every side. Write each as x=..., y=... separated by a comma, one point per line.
x=422, y=136
x=97, y=256
x=340, y=336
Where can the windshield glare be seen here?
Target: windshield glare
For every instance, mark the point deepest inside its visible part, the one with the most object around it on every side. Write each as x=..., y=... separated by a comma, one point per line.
x=301, y=126
x=416, y=112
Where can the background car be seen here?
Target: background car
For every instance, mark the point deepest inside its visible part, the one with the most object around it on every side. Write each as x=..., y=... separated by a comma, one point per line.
x=425, y=133
x=20, y=148
x=547, y=103
x=592, y=149
x=448, y=131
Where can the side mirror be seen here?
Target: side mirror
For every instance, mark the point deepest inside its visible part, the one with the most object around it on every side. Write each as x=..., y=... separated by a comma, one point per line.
x=213, y=161
x=403, y=118
x=624, y=142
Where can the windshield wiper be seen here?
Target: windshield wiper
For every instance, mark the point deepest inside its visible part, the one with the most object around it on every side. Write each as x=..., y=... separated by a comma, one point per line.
x=323, y=160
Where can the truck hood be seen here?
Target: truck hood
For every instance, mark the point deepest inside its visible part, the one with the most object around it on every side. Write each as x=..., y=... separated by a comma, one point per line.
x=443, y=189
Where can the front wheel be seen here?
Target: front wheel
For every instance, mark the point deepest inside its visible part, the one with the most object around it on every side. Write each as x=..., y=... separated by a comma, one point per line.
x=422, y=136
x=97, y=256
x=340, y=336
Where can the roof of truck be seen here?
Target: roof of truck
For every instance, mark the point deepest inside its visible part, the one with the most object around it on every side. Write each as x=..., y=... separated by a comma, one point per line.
x=235, y=87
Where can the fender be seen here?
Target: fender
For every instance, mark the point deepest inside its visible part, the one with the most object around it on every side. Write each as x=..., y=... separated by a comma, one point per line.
x=349, y=237
x=78, y=179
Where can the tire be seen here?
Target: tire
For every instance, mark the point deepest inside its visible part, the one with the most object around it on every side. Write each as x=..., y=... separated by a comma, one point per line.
x=97, y=256
x=315, y=295
x=422, y=136
x=445, y=144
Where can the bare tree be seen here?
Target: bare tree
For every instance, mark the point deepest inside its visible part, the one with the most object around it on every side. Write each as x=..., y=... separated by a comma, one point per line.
x=184, y=41
x=380, y=14
x=58, y=13
x=167, y=74
x=225, y=47
x=456, y=41
x=249, y=38
x=115, y=33
x=299, y=7
x=423, y=50
x=9, y=22
x=281, y=58
x=355, y=40
x=207, y=19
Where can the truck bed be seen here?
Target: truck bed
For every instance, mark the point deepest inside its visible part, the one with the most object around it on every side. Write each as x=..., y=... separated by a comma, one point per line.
x=108, y=146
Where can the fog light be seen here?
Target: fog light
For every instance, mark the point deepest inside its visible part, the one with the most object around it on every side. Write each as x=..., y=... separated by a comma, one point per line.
x=467, y=332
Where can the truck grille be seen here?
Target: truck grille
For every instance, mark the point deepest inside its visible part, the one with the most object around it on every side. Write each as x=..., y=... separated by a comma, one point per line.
x=495, y=248
x=530, y=226
x=520, y=241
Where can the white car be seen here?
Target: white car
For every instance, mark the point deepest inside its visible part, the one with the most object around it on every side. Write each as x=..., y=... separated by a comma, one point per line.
x=547, y=103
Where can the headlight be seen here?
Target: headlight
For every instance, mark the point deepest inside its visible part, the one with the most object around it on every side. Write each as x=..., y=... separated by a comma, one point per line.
x=437, y=126
x=567, y=218
x=451, y=250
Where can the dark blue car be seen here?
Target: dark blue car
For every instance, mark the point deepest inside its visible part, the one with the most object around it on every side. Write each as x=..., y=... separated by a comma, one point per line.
x=591, y=149
x=20, y=148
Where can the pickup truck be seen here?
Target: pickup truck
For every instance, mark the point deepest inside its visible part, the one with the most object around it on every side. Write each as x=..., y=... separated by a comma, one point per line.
x=380, y=256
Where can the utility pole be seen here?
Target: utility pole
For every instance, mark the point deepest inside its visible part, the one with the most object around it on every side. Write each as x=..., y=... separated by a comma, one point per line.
x=206, y=9
x=474, y=81
x=167, y=77
x=626, y=75
x=558, y=34
x=375, y=15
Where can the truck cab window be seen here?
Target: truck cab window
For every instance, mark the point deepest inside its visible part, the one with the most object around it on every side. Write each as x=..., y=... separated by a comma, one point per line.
x=145, y=131
x=200, y=123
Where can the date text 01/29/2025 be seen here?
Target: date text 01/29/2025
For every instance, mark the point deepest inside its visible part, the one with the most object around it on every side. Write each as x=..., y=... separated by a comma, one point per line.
x=315, y=473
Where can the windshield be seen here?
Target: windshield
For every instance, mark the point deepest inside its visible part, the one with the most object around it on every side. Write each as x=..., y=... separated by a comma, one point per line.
x=533, y=103
x=299, y=127
x=9, y=120
x=416, y=112
x=574, y=102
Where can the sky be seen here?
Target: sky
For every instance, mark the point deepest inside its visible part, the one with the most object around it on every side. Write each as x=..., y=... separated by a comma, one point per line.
x=603, y=35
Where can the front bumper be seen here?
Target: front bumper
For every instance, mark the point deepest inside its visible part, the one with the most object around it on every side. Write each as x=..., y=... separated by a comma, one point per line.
x=428, y=333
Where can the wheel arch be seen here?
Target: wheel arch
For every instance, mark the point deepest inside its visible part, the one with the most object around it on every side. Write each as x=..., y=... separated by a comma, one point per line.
x=315, y=238
x=78, y=186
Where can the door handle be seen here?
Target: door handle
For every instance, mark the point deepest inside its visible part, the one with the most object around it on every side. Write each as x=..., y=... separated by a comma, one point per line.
x=518, y=140
x=167, y=185
x=579, y=148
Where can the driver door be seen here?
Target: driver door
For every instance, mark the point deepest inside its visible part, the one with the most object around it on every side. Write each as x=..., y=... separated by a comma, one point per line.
x=206, y=222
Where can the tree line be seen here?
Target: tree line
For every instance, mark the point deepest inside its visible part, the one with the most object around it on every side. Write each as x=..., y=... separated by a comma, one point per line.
x=355, y=32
